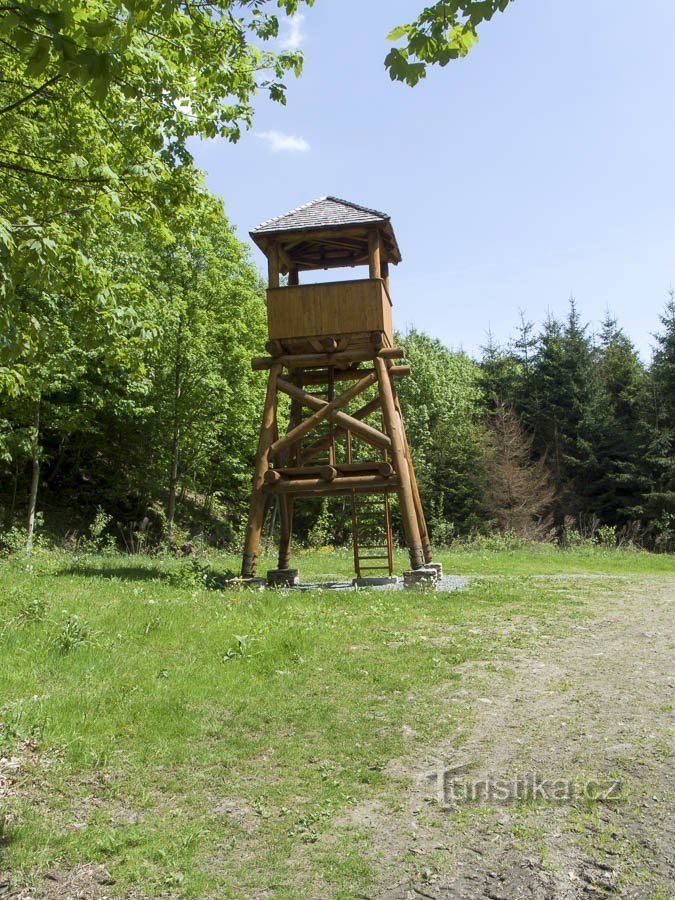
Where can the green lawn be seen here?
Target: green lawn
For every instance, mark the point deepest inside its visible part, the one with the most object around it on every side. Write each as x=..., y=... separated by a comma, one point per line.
x=199, y=740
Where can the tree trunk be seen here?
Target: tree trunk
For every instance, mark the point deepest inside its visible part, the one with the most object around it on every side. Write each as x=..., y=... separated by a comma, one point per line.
x=35, y=479
x=9, y=514
x=173, y=479
x=175, y=439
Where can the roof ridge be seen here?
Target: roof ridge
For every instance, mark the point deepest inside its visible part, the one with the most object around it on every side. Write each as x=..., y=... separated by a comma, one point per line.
x=368, y=209
x=276, y=220
x=290, y=212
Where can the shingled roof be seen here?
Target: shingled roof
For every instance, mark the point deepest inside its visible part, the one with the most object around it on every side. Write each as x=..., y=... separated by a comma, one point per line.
x=326, y=233
x=325, y=212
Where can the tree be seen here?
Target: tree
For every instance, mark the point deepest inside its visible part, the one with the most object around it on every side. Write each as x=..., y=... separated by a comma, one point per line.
x=621, y=433
x=518, y=491
x=444, y=31
x=97, y=101
x=561, y=411
x=205, y=395
x=441, y=404
x=660, y=499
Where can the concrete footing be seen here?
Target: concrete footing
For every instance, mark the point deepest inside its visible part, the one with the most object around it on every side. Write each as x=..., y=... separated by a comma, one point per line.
x=437, y=567
x=283, y=578
x=248, y=582
x=420, y=577
x=376, y=581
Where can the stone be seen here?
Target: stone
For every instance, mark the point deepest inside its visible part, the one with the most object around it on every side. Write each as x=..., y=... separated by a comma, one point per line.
x=423, y=577
x=283, y=578
x=438, y=567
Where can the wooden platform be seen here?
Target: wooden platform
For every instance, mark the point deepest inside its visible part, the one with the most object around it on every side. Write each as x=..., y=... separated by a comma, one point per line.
x=340, y=310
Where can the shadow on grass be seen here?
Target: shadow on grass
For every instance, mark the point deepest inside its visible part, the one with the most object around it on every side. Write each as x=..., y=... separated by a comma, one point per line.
x=120, y=573
x=190, y=575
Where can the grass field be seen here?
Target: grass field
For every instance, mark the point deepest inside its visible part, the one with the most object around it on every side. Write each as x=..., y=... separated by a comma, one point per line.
x=199, y=742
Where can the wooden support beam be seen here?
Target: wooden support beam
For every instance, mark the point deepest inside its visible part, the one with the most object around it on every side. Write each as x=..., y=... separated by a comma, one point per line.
x=385, y=276
x=273, y=266
x=327, y=473
x=417, y=500
x=286, y=532
x=312, y=378
x=256, y=513
x=352, y=374
x=365, y=432
x=323, y=411
x=380, y=466
x=393, y=426
x=318, y=487
x=325, y=443
x=374, y=253
x=309, y=360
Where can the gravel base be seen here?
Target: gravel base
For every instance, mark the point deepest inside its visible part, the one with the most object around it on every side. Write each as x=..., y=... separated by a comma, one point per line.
x=445, y=584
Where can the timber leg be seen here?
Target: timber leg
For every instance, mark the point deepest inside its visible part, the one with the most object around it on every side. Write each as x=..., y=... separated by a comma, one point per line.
x=392, y=423
x=256, y=515
x=417, y=500
x=286, y=509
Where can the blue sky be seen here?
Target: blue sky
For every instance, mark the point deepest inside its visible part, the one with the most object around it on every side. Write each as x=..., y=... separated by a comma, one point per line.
x=539, y=167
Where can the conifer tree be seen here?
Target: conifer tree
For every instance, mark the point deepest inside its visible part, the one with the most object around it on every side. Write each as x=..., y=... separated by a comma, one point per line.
x=660, y=498
x=621, y=433
x=562, y=411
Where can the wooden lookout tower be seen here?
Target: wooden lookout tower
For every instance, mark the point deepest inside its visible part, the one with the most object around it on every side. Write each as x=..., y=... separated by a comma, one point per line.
x=332, y=358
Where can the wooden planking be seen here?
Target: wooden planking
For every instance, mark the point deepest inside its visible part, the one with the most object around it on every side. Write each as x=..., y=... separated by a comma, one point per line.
x=333, y=308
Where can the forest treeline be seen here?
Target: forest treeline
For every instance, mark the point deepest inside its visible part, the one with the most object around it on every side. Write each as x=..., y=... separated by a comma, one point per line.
x=129, y=311
x=149, y=427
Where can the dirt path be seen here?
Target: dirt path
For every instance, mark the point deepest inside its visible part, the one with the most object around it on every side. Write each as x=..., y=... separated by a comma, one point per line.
x=592, y=706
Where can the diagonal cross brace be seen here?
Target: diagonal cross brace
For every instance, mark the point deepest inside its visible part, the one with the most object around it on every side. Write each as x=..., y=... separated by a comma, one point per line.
x=322, y=413
x=324, y=443
x=367, y=434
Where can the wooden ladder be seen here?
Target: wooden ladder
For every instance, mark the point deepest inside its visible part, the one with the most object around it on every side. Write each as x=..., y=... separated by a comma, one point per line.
x=371, y=530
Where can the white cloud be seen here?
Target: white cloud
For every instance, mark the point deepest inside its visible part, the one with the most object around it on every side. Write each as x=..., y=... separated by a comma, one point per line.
x=284, y=143
x=292, y=34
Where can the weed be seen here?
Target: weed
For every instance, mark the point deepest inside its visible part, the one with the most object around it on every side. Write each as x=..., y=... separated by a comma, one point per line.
x=198, y=573
x=74, y=632
x=240, y=649
x=31, y=610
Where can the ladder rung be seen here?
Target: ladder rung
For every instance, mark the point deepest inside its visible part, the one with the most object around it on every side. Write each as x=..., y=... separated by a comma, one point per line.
x=383, y=556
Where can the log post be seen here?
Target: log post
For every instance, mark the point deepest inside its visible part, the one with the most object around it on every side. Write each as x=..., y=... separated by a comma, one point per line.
x=273, y=266
x=256, y=514
x=419, y=509
x=286, y=508
x=385, y=277
x=374, y=254
x=405, y=493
